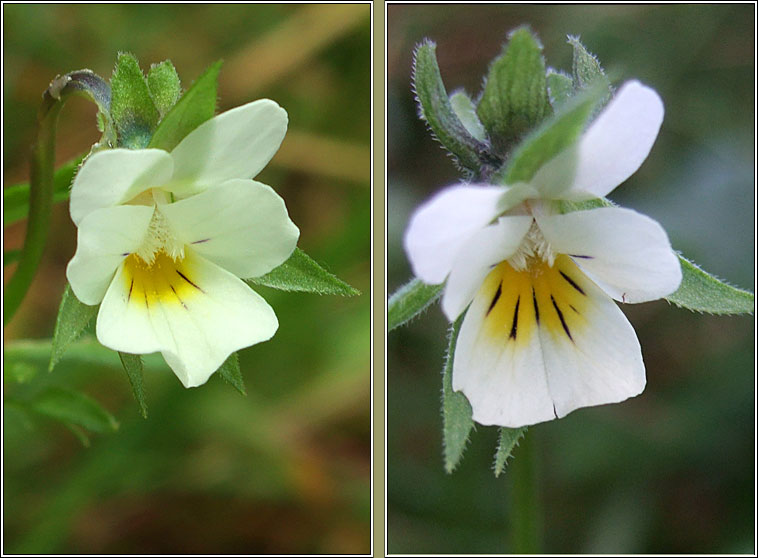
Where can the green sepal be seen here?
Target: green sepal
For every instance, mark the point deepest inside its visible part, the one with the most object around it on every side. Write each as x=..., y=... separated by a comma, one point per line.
x=230, y=372
x=73, y=317
x=587, y=71
x=197, y=105
x=702, y=292
x=132, y=107
x=75, y=408
x=465, y=110
x=164, y=86
x=301, y=273
x=507, y=440
x=435, y=108
x=16, y=197
x=560, y=88
x=515, y=98
x=409, y=301
x=456, y=410
x=133, y=367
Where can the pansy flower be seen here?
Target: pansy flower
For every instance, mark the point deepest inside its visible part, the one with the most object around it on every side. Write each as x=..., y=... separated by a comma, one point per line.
x=165, y=239
x=542, y=335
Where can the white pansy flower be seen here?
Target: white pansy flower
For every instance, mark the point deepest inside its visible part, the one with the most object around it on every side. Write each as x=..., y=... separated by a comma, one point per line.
x=542, y=335
x=164, y=238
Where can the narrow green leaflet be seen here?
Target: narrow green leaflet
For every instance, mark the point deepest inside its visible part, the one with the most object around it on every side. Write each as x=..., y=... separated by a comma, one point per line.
x=456, y=410
x=75, y=408
x=133, y=366
x=507, y=440
x=303, y=274
x=560, y=87
x=230, y=372
x=79, y=432
x=132, y=108
x=196, y=106
x=73, y=317
x=556, y=134
x=409, y=301
x=164, y=86
x=702, y=292
x=587, y=70
x=465, y=110
x=515, y=96
x=435, y=109
x=567, y=206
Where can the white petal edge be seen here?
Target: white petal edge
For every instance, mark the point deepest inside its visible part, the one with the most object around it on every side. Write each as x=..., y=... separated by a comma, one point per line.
x=115, y=176
x=235, y=144
x=241, y=225
x=105, y=238
x=601, y=364
x=440, y=226
x=196, y=335
x=486, y=248
x=618, y=141
x=626, y=253
x=505, y=383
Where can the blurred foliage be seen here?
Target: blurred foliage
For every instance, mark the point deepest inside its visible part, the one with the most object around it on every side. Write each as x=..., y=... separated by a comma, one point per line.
x=285, y=469
x=671, y=471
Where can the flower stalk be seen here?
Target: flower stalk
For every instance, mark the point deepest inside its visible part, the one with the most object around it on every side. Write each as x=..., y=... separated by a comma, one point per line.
x=525, y=512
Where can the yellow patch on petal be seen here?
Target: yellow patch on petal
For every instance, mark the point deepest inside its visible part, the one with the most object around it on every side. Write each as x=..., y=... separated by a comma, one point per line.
x=540, y=296
x=165, y=280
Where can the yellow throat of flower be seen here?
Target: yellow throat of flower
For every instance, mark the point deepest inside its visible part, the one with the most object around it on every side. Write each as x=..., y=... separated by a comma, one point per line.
x=164, y=280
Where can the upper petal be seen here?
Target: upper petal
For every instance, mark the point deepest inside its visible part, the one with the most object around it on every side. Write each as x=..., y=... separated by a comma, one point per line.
x=440, y=226
x=105, y=237
x=241, y=225
x=626, y=253
x=486, y=248
x=193, y=311
x=618, y=141
x=115, y=176
x=235, y=144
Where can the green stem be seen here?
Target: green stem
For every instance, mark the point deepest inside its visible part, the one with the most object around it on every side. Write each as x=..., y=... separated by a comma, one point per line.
x=525, y=506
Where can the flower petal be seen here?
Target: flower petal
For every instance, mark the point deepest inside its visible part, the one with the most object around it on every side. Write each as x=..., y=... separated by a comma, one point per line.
x=105, y=238
x=198, y=314
x=619, y=140
x=485, y=249
x=626, y=253
x=439, y=227
x=241, y=225
x=115, y=176
x=235, y=144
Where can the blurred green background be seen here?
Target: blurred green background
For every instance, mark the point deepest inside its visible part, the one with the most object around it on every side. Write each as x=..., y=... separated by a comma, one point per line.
x=287, y=468
x=671, y=471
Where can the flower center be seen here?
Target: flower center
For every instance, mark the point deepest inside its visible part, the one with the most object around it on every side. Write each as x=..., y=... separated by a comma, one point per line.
x=159, y=238
x=163, y=280
x=533, y=252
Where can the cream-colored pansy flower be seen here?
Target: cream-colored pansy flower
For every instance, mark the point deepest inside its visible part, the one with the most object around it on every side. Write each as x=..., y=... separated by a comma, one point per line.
x=164, y=238
x=542, y=335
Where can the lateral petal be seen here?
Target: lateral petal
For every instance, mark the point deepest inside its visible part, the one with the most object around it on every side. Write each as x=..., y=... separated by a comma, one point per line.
x=115, y=176
x=241, y=225
x=105, y=237
x=626, y=253
x=442, y=225
x=235, y=144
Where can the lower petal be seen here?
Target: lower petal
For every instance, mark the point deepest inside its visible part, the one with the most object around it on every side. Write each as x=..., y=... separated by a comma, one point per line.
x=192, y=311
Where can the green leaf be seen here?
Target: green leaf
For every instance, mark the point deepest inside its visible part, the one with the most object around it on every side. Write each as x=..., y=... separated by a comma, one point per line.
x=133, y=366
x=436, y=110
x=515, y=96
x=73, y=317
x=16, y=197
x=301, y=273
x=587, y=70
x=132, y=108
x=409, y=301
x=196, y=106
x=230, y=372
x=507, y=441
x=702, y=292
x=456, y=410
x=465, y=110
x=558, y=133
x=10, y=256
x=79, y=432
x=164, y=86
x=560, y=87
x=75, y=408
